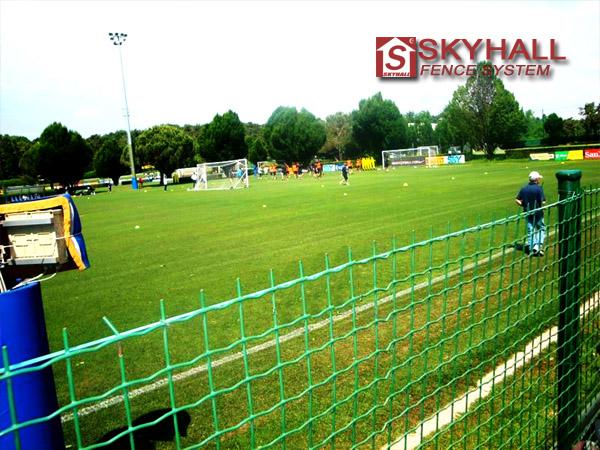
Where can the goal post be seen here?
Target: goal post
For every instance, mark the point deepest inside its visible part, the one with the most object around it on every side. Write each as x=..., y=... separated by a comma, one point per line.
x=222, y=175
x=416, y=156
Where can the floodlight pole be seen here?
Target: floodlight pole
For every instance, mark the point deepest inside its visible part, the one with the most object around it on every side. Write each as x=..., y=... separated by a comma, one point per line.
x=118, y=39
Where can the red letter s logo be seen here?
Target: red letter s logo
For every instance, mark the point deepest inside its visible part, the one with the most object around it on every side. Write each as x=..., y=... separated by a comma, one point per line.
x=396, y=57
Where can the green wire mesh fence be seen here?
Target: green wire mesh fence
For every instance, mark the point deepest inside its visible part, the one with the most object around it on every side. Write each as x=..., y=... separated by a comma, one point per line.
x=462, y=340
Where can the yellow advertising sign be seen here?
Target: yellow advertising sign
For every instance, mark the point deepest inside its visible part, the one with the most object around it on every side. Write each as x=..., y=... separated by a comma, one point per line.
x=575, y=155
x=436, y=160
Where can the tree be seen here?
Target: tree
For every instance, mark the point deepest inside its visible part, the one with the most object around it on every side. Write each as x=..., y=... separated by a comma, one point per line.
x=535, y=128
x=483, y=114
x=591, y=121
x=338, y=128
x=195, y=133
x=59, y=156
x=166, y=147
x=420, y=129
x=453, y=127
x=506, y=120
x=258, y=150
x=294, y=136
x=252, y=131
x=107, y=160
x=443, y=136
x=94, y=142
x=378, y=125
x=28, y=164
x=553, y=126
x=223, y=139
x=12, y=149
x=573, y=130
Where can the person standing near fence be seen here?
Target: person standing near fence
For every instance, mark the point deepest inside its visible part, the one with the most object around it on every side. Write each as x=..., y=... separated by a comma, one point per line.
x=530, y=198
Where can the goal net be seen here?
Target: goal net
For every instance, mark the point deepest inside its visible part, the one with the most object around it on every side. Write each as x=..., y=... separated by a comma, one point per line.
x=222, y=175
x=417, y=156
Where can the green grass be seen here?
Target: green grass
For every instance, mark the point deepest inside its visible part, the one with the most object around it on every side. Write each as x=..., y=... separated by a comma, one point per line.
x=191, y=241
x=528, y=423
x=188, y=241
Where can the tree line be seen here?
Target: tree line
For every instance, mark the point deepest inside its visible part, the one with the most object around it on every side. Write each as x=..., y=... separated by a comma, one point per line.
x=482, y=114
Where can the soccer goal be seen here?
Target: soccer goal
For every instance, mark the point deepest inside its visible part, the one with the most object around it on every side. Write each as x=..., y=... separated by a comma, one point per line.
x=418, y=156
x=222, y=175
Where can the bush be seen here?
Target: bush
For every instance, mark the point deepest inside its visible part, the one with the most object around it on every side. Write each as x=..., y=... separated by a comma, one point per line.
x=13, y=182
x=521, y=154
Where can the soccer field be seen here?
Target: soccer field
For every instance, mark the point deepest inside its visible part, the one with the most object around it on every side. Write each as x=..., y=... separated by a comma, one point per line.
x=151, y=245
x=188, y=241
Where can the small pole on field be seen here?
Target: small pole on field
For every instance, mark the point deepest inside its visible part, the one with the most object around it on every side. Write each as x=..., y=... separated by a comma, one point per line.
x=569, y=256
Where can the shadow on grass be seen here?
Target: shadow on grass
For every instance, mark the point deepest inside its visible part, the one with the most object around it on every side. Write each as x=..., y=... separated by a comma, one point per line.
x=145, y=437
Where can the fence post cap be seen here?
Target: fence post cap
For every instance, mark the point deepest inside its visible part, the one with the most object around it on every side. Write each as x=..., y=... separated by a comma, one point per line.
x=568, y=175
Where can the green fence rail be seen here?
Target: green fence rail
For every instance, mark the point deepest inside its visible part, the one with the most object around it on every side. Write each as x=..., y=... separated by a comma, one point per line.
x=458, y=341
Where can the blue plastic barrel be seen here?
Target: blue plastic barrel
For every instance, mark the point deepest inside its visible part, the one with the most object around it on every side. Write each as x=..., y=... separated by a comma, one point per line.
x=23, y=332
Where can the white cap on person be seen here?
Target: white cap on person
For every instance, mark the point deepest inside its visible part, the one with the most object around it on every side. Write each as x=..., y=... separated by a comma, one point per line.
x=535, y=176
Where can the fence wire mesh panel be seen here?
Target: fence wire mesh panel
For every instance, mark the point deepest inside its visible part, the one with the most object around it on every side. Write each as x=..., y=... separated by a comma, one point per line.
x=448, y=342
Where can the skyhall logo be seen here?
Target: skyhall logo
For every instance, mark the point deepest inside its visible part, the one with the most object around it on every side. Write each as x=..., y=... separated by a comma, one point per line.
x=407, y=57
x=396, y=57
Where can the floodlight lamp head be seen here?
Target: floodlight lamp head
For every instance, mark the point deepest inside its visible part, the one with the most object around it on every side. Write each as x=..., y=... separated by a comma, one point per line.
x=117, y=38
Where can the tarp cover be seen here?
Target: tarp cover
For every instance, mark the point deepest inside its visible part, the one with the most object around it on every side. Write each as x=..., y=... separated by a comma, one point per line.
x=72, y=224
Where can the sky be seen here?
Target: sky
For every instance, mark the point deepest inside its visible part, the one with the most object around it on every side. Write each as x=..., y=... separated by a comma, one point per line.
x=185, y=61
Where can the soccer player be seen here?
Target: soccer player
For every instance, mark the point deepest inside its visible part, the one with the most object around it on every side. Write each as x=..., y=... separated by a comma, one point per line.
x=319, y=168
x=344, y=179
x=359, y=164
x=530, y=198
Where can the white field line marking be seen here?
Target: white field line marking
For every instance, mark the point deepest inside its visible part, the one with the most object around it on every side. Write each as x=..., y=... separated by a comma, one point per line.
x=485, y=385
x=111, y=401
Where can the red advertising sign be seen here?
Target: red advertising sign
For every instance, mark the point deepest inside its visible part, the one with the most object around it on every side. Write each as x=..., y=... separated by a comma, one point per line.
x=592, y=153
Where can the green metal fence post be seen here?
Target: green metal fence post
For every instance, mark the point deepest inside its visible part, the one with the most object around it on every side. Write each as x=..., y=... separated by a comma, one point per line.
x=569, y=250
